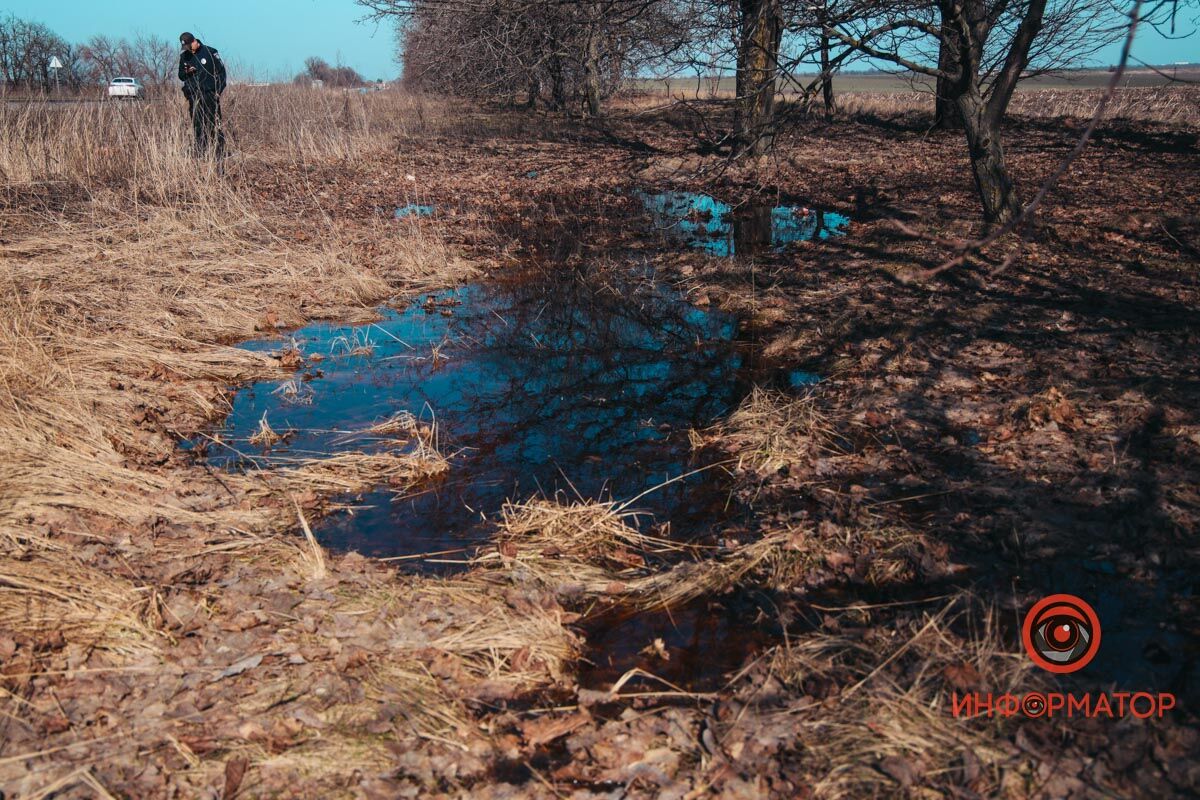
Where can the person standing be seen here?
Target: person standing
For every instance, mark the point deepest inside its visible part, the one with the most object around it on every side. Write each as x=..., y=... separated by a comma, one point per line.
x=203, y=76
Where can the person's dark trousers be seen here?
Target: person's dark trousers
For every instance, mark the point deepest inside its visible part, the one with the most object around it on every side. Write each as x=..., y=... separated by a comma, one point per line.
x=206, y=111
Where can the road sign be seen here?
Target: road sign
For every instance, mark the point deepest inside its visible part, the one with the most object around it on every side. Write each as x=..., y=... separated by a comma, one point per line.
x=55, y=66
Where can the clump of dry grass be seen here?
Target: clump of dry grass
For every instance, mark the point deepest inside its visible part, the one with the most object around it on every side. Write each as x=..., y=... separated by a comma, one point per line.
x=265, y=436
x=346, y=473
x=585, y=551
x=402, y=424
x=890, y=724
x=52, y=596
x=574, y=550
x=771, y=430
x=598, y=532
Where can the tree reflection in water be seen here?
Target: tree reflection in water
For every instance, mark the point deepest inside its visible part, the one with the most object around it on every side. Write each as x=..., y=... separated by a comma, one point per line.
x=582, y=381
x=754, y=228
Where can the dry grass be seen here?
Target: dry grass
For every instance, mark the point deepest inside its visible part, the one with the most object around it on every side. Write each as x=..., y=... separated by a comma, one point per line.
x=1173, y=105
x=896, y=716
x=588, y=551
x=144, y=148
x=1177, y=106
x=122, y=303
x=771, y=430
x=265, y=436
x=402, y=425
x=347, y=473
x=575, y=551
x=62, y=597
x=85, y=351
x=146, y=144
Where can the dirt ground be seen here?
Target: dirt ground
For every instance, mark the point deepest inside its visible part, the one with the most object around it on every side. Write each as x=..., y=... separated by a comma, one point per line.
x=978, y=439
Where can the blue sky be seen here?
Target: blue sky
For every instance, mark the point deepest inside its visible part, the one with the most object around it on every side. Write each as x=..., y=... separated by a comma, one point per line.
x=263, y=38
x=271, y=38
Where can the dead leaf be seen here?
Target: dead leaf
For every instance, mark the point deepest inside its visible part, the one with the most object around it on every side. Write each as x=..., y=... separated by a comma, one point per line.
x=237, y=668
x=235, y=770
x=245, y=620
x=657, y=648
x=838, y=559
x=291, y=359
x=899, y=769
x=962, y=676
x=56, y=724
x=969, y=767
x=543, y=730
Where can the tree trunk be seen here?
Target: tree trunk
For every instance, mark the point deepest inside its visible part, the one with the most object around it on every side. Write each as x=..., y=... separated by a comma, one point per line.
x=826, y=79
x=535, y=91
x=759, y=34
x=591, y=77
x=945, y=112
x=591, y=62
x=996, y=191
x=558, y=89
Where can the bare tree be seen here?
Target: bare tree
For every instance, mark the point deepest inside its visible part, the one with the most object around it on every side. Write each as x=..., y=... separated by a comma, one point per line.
x=148, y=58
x=155, y=58
x=102, y=58
x=983, y=49
x=26, y=49
x=808, y=46
x=578, y=50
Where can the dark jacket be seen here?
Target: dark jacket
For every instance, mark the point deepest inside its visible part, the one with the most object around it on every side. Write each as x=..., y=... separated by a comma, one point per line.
x=201, y=71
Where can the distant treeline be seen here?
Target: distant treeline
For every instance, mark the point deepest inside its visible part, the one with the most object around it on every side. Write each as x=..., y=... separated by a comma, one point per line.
x=338, y=77
x=27, y=49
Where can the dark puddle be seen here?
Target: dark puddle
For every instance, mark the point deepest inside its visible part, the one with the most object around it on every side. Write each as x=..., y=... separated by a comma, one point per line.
x=701, y=222
x=576, y=383
x=567, y=381
x=692, y=647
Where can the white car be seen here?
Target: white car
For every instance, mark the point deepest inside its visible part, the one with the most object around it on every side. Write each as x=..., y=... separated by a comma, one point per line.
x=125, y=87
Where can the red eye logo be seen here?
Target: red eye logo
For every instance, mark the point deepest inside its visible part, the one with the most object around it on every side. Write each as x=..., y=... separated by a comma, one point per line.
x=1061, y=633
